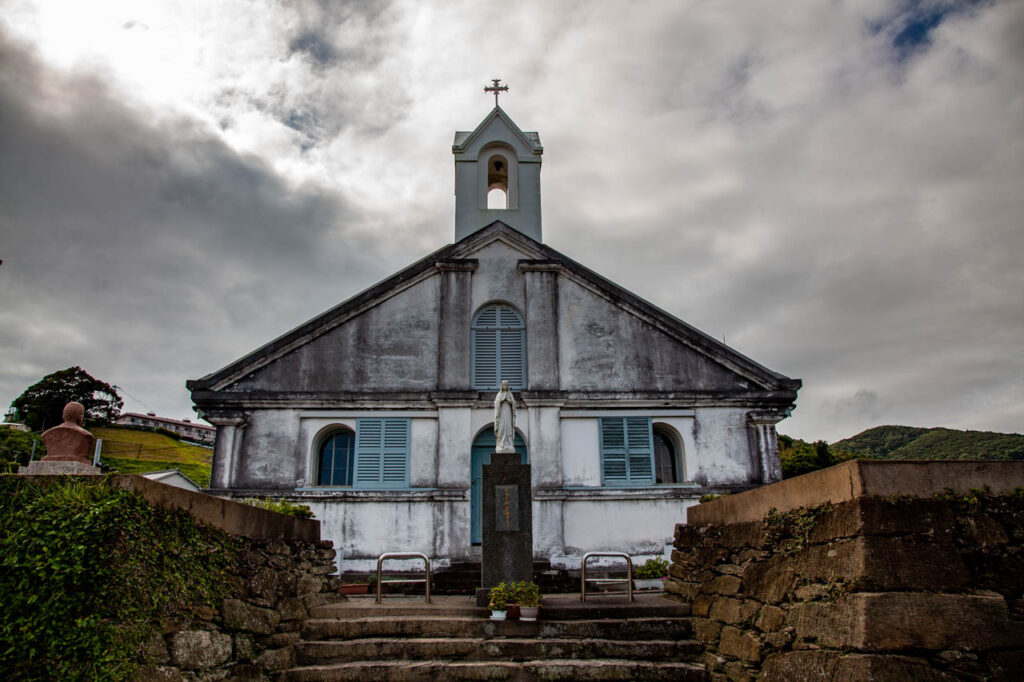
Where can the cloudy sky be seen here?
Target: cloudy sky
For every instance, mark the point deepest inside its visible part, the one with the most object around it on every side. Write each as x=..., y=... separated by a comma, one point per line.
x=834, y=188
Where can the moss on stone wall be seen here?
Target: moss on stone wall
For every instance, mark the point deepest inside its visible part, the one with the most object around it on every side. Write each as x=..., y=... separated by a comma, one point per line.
x=90, y=570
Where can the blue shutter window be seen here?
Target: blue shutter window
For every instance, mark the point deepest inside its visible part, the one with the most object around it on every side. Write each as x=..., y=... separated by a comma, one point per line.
x=626, y=451
x=498, y=348
x=337, y=456
x=382, y=453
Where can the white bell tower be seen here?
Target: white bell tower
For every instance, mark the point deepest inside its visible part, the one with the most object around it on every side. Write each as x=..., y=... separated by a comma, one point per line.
x=497, y=175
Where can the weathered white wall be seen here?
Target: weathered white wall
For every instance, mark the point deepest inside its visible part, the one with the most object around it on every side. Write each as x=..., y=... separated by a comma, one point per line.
x=633, y=526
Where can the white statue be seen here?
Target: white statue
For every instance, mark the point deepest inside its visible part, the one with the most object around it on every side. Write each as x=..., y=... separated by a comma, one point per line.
x=504, y=420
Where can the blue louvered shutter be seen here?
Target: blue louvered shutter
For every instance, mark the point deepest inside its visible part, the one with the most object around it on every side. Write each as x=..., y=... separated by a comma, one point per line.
x=498, y=348
x=626, y=451
x=512, y=364
x=485, y=358
x=382, y=453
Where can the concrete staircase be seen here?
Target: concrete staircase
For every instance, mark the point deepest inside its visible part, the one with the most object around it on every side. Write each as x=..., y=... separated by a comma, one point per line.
x=451, y=639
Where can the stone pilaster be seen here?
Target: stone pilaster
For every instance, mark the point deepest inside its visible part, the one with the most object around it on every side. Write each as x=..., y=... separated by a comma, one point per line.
x=541, y=324
x=225, y=450
x=453, y=345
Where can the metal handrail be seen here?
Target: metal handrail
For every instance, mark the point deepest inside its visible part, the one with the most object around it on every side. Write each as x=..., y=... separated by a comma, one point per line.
x=628, y=579
x=404, y=555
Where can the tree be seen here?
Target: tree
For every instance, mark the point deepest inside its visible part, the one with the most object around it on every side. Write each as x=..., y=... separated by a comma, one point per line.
x=17, y=446
x=800, y=457
x=41, y=405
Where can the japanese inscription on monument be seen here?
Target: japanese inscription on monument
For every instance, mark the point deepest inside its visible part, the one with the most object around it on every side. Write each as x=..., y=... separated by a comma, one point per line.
x=506, y=501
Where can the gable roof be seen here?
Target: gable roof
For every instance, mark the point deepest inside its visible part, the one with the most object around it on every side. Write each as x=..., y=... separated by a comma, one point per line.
x=536, y=255
x=464, y=140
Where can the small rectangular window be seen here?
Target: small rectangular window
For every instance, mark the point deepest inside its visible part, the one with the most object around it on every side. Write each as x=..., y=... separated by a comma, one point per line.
x=382, y=453
x=626, y=451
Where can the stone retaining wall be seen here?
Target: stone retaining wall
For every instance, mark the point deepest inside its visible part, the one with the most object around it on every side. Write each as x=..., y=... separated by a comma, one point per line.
x=282, y=570
x=868, y=588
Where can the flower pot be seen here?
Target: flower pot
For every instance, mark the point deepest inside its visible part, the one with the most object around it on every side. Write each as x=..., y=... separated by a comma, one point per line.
x=528, y=614
x=498, y=615
x=513, y=611
x=647, y=584
x=354, y=588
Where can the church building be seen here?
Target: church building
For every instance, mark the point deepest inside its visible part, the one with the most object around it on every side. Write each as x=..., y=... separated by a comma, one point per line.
x=379, y=413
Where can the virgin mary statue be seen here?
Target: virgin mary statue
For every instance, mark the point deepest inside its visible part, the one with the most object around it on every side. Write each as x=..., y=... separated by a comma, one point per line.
x=504, y=420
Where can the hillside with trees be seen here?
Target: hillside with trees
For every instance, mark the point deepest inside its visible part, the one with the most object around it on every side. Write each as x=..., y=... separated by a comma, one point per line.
x=907, y=442
x=898, y=442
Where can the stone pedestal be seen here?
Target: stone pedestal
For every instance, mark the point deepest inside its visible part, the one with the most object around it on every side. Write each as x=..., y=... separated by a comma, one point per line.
x=58, y=468
x=507, y=543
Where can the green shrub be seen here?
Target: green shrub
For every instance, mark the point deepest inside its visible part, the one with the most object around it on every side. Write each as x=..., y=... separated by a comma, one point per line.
x=167, y=432
x=281, y=506
x=88, y=571
x=651, y=569
x=498, y=597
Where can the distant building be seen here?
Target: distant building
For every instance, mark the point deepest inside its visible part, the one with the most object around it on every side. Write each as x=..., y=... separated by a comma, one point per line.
x=189, y=430
x=11, y=421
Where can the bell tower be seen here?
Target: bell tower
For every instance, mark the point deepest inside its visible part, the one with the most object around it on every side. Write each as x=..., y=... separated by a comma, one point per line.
x=497, y=175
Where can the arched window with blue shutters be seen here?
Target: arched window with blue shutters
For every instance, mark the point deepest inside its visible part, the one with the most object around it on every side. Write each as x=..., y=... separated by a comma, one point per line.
x=498, y=348
x=626, y=451
x=336, y=460
x=382, y=453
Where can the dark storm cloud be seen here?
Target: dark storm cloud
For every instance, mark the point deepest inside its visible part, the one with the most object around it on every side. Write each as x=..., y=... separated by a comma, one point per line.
x=143, y=248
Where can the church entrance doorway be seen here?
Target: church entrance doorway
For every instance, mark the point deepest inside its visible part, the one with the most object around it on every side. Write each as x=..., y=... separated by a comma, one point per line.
x=483, y=446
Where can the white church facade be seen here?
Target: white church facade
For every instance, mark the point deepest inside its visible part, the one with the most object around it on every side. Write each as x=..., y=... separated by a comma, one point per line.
x=379, y=412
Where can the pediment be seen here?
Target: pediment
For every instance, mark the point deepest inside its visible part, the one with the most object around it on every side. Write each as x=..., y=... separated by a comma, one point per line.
x=367, y=321
x=497, y=128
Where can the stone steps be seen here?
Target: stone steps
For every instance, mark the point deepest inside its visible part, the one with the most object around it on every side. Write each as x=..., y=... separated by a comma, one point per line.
x=432, y=626
x=496, y=649
x=451, y=639
x=402, y=671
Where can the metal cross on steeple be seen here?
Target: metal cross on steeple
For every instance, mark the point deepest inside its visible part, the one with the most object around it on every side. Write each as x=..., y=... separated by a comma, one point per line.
x=496, y=89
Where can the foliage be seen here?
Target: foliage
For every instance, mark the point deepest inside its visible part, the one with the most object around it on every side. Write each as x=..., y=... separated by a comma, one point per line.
x=42, y=403
x=651, y=569
x=131, y=451
x=16, y=446
x=800, y=457
x=167, y=432
x=88, y=570
x=498, y=597
x=790, y=531
x=281, y=506
x=708, y=498
x=524, y=593
x=907, y=442
x=197, y=472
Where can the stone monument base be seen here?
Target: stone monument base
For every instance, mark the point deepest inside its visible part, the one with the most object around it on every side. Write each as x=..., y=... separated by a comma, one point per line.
x=45, y=468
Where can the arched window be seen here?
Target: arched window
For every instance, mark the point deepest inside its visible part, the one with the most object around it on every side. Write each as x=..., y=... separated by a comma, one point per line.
x=667, y=467
x=497, y=182
x=336, y=461
x=498, y=348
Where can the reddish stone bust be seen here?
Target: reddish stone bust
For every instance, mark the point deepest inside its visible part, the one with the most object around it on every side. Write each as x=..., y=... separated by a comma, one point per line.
x=69, y=442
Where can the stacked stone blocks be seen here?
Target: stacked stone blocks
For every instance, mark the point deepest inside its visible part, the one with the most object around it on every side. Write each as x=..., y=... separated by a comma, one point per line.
x=869, y=588
x=251, y=636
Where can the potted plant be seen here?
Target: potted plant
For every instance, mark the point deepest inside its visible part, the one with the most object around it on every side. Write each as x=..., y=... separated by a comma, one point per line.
x=529, y=601
x=497, y=601
x=650, y=575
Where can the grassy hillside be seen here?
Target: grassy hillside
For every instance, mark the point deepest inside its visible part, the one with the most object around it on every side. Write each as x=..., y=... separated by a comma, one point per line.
x=134, y=452
x=906, y=442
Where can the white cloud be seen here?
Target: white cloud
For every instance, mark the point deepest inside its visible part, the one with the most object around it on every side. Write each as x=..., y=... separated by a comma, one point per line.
x=840, y=210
